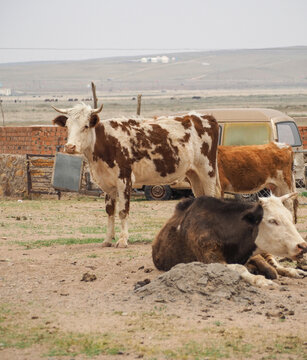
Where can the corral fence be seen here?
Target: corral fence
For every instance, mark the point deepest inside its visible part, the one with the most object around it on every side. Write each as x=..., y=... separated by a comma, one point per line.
x=39, y=177
x=39, y=173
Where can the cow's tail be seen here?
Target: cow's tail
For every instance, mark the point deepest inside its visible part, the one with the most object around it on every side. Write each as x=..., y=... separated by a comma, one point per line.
x=218, y=188
x=295, y=202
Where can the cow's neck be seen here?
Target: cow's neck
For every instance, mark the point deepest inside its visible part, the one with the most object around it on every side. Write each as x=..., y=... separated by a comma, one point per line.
x=89, y=151
x=99, y=169
x=88, y=154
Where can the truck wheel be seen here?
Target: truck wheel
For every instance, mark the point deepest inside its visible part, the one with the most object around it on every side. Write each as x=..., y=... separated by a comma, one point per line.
x=158, y=192
x=246, y=197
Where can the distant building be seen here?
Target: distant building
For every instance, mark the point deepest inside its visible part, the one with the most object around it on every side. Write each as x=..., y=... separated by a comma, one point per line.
x=157, y=59
x=5, y=92
x=164, y=59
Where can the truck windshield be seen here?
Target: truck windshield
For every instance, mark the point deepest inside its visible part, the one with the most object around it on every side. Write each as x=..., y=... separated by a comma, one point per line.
x=288, y=133
x=246, y=134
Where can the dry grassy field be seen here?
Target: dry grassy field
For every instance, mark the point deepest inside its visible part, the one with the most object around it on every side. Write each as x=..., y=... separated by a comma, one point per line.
x=63, y=296
x=35, y=110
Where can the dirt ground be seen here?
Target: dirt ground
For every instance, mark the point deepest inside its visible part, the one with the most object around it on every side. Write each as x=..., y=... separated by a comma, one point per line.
x=63, y=296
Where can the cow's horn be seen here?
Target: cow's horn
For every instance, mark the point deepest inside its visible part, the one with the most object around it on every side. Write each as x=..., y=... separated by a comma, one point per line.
x=62, y=111
x=96, y=111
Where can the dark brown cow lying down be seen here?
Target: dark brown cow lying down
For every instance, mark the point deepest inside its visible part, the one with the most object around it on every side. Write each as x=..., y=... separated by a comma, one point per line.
x=211, y=230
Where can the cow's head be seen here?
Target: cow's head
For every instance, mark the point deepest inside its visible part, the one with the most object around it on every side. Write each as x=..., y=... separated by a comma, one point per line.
x=277, y=233
x=80, y=122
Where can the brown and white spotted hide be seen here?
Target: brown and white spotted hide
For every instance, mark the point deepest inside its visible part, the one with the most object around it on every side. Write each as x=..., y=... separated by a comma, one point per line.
x=249, y=169
x=126, y=152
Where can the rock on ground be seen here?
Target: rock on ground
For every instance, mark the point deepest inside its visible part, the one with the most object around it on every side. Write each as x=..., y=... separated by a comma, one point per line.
x=210, y=282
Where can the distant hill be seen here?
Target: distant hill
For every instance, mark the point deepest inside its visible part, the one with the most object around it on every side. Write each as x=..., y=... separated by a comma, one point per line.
x=225, y=69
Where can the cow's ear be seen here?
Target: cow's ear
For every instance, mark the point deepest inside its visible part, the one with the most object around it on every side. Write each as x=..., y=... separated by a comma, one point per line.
x=254, y=215
x=94, y=120
x=60, y=120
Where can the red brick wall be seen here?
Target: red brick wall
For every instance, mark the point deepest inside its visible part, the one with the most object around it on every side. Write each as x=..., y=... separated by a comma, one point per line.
x=303, y=132
x=31, y=139
x=45, y=139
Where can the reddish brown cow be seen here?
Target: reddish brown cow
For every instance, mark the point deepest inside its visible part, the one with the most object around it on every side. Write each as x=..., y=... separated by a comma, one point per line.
x=249, y=169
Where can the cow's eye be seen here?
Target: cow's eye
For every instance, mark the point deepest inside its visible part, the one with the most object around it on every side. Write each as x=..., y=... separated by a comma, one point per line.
x=273, y=222
x=85, y=127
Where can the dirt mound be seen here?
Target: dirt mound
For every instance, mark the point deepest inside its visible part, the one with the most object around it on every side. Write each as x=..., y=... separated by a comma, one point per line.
x=212, y=282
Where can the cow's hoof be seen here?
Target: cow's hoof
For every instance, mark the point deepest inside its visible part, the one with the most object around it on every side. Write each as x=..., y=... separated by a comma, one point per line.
x=261, y=281
x=300, y=273
x=106, y=244
x=121, y=245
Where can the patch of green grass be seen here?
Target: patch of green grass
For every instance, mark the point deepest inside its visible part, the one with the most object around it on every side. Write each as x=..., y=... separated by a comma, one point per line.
x=23, y=335
x=235, y=347
x=60, y=241
x=139, y=238
x=73, y=344
x=191, y=343
x=92, y=230
x=138, y=199
x=289, y=345
x=194, y=350
x=4, y=312
x=59, y=343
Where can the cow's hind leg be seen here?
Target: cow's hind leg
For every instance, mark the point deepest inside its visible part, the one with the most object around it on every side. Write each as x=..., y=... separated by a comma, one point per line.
x=284, y=271
x=256, y=280
x=201, y=185
x=124, y=190
x=110, y=201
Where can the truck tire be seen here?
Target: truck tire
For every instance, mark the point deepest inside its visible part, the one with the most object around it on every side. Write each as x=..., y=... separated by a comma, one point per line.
x=158, y=192
x=247, y=197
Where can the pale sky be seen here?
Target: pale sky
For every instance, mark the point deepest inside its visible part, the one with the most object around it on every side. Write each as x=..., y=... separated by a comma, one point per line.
x=125, y=27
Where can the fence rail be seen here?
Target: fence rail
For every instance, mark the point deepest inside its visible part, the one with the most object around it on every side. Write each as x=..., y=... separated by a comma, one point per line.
x=39, y=173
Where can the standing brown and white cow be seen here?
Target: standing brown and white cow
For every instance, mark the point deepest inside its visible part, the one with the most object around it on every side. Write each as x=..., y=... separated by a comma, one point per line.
x=126, y=152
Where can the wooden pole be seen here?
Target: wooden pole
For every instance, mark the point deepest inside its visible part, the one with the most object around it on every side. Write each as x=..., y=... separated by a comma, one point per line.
x=94, y=96
x=2, y=113
x=138, y=110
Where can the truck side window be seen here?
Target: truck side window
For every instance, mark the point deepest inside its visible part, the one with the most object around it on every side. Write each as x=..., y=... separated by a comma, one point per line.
x=246, y=133
x=288, y=133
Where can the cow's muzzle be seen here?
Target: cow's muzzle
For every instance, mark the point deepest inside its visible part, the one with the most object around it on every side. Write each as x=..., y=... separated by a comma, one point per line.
x=302, y=249
x=70, y=149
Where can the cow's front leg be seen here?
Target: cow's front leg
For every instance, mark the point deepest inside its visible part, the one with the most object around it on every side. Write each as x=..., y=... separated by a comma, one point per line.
x=256, y=280
x=124, y=191
x=284, y=271
x=110, y=201
x=258, y=265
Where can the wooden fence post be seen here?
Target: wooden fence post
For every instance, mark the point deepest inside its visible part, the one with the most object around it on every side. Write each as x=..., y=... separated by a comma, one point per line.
x=94, y=95
x=2, y=113
x=138, y=110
